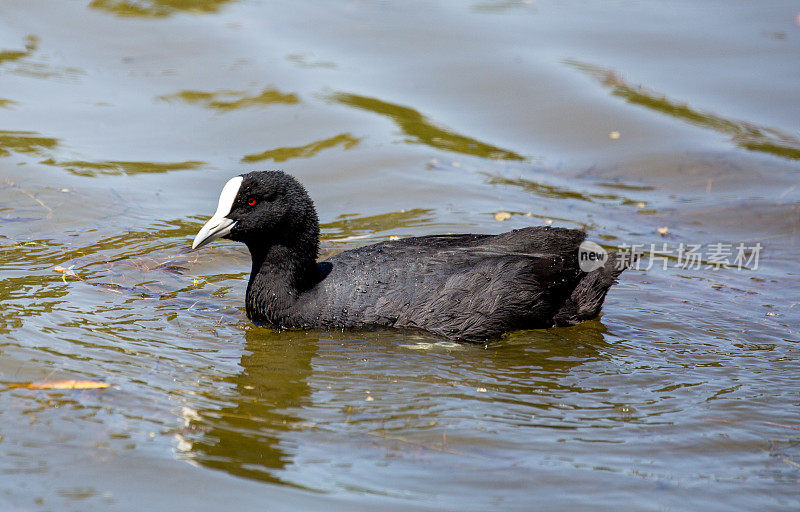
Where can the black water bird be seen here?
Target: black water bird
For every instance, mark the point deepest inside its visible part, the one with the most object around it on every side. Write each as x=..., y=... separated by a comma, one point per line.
x=468, y=287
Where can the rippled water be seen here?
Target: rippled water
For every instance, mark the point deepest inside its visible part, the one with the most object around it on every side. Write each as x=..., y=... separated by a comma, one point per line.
x=120, y=120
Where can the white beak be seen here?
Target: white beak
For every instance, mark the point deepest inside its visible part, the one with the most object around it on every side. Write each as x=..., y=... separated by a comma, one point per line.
x=219, y=225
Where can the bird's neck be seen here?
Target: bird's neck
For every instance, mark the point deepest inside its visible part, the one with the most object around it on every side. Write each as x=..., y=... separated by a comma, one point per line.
x=280, y=274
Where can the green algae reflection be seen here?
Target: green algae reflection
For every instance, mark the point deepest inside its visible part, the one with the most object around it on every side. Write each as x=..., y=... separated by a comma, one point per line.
x=19, y=63
x=116, y=167
x=345, y=140
x=349, y=225
x=34, y=144
x=225, y=101
x=31, y=43
x=156, y=8
x=421, y=130
x=744, y=134
x=24, y=142
x=557, y=192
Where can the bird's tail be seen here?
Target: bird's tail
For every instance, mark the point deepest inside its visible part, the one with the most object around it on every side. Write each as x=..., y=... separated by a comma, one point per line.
x=587, y=298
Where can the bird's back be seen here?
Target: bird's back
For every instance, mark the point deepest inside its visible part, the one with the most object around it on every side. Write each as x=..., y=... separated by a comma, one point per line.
x=468, y=287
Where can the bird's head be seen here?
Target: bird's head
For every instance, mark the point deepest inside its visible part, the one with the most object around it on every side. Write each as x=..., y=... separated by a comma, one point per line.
x=262, y=209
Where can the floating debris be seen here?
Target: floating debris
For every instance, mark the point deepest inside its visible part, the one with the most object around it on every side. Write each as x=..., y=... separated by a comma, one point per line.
x=64, y=384
x=501, y=216
x=663, y=231
x=64, y=270
x=613, y=135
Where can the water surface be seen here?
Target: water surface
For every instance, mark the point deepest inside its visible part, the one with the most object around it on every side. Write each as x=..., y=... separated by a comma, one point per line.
x=120, y=121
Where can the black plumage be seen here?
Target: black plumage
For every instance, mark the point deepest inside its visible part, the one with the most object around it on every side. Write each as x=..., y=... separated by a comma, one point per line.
x=469, y=287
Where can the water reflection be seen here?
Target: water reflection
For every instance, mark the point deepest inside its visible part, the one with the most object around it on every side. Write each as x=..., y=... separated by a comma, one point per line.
x=156, y=8
x=226, y=101
x=243, y=437
x=34, y=144
x=502, y=5
x=556, y=192
x=23, y=298
x=117, y=167
x=305, y=61
x=297, y=389
x=421, y=130
x=533, y=374
x=352, y=225
x=128, y=266
x=345, y=140
x=25, y=142
x=31, y=43
x=21, y=64
x=744, y=134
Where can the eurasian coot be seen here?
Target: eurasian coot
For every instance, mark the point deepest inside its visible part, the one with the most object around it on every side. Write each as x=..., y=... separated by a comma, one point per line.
x=466, y=287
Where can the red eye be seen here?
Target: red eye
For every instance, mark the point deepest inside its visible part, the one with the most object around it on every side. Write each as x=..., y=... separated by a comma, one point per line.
x=252, y=201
